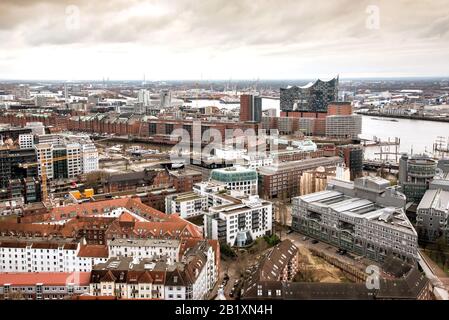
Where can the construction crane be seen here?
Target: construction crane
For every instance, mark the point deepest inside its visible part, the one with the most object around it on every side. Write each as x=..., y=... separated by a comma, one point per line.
x=43, y=164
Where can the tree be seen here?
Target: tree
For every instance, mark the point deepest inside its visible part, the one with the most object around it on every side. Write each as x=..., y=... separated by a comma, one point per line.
x=306, y=274
x=442, y=249
x=272, y=240
x=227, y=251
x=96, y=178
x=259, y=246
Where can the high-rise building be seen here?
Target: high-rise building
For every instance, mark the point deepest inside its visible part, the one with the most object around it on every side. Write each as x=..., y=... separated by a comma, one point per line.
x=45, y=158
x=10, y=164
x=250, y=108
x=165, y=99
x=311, y=98
x=143, y=96
x=344, y=126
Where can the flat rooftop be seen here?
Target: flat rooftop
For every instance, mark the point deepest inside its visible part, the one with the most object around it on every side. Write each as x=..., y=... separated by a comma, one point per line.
x=299, y=165
x=359, y=208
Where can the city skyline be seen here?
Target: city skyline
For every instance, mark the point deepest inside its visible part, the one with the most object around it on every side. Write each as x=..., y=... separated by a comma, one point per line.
x=79, y=40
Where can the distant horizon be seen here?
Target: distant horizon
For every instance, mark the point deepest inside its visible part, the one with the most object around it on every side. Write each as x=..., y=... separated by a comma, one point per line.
x=226, y=80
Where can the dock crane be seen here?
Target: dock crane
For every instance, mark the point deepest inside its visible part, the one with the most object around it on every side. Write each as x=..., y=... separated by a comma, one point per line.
x=43, y=164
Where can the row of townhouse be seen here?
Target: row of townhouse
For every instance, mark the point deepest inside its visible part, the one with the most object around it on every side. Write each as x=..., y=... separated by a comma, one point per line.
x=43, y=285
x=48, y=256
x=191, y=278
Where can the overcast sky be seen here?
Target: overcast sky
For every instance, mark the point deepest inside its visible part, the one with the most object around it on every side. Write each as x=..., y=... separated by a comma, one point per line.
x=222, y=39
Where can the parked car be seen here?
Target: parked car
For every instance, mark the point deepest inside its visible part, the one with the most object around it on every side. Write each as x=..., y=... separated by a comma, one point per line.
x=305, y=238
x=226, y=277
x=289, y=231
x=314, y=241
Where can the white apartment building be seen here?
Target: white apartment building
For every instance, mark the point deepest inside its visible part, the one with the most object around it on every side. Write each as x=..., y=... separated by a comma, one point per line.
x=240, y=223
x=26, y=141
x=143, y=96
x=73, y=159
x=187, y=204
x=145, y=248
x=44, y=153
x=216, y=193
x=254, y=162
x=44, y=256
x=89, y=158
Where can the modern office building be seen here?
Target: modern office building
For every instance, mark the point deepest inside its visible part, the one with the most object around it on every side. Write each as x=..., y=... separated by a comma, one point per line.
x=77, y=155
x=250, y=108
x=366, y=217
x=432, y=217
x=11, y=161
x=311, y=98
x=344, y=126
x=240, y=223
x=237, y=178
x=283, y=180
x=415, y=175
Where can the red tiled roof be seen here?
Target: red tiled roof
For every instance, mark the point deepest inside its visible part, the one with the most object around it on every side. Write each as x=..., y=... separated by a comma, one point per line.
x=97, y=207
x=46, y=278
x=94, y=251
